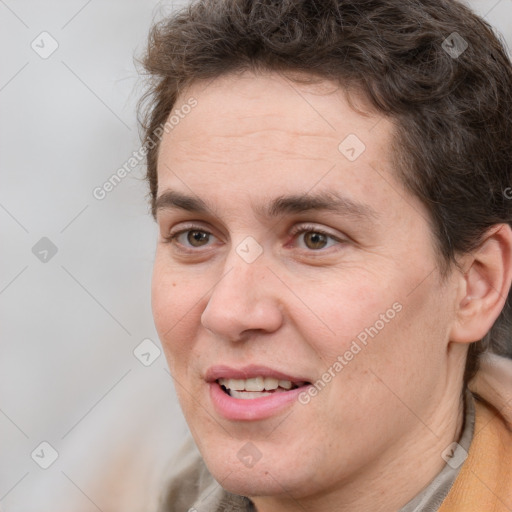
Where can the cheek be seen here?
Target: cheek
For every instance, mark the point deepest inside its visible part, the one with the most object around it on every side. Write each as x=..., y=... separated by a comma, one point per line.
x=174, y=300
x=401, y=339
x=373, y=318
x=173, y=291
x=341, y=307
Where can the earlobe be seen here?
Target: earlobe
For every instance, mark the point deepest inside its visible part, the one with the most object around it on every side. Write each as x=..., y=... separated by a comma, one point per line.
x=484, y=285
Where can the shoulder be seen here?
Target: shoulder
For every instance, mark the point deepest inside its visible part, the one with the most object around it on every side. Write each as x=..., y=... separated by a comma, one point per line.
x=485, y=479
x=493, y=383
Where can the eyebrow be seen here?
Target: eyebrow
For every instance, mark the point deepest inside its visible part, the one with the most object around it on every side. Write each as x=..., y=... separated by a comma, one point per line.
x=281, y=205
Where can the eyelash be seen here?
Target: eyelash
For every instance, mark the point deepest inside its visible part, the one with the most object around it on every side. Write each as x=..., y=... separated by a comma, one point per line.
x=314, y=229
x=295, y=232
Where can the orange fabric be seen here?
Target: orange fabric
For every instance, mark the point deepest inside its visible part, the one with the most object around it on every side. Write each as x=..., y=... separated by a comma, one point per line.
x=484, y=483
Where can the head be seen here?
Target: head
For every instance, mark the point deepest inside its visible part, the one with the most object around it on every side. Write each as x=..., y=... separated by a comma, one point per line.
x=332, y=207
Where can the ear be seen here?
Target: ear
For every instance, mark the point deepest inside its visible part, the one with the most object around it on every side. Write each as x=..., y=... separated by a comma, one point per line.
x=484, y=285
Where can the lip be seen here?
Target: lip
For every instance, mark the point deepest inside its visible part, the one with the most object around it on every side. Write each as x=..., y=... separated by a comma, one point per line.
x=248, y=372
x=238, y=409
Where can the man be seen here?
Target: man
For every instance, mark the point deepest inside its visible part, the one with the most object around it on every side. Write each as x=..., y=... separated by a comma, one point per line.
x=335, y=253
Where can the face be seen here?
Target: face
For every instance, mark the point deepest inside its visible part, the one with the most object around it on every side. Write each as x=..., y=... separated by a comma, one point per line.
x=295, y=288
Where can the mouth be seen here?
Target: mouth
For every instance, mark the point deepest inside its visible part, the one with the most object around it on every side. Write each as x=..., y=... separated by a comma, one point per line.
x=253, y=392
x=257, y=387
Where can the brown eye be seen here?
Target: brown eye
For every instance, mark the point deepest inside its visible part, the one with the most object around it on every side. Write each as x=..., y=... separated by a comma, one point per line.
x=196, y=238
x=315, y=240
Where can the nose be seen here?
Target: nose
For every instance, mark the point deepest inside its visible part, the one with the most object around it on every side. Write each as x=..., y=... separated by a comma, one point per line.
x=244, y=301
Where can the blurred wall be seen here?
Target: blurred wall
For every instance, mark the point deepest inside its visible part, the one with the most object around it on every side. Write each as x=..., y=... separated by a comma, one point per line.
x=75, y=269
x=84, y=390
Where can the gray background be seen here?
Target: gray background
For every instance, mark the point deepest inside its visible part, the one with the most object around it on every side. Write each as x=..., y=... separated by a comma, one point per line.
x=70, y=324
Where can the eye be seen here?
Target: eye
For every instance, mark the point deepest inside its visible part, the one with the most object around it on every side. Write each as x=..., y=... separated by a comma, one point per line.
x=314, y=238
x=190, y=238
x=311, y=238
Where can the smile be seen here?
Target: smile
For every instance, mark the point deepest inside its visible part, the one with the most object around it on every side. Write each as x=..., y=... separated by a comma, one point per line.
x=256, y=387
x=252, y=393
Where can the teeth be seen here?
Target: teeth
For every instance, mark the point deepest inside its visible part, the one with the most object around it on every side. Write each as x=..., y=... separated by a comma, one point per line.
x=271, y=383
x=255, y=384
x=248, y=394
x=238, y=384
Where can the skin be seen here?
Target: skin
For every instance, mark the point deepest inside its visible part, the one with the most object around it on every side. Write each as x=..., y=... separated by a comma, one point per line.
x=395, y=407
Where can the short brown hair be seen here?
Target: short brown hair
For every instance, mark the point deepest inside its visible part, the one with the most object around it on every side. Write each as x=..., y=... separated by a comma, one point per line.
x=434, y=67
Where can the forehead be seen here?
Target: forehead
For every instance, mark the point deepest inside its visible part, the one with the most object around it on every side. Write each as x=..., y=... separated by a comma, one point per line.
x=251, y=137
x=257, y=115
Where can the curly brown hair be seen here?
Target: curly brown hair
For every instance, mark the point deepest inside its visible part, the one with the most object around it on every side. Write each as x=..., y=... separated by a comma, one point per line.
x=433, y=66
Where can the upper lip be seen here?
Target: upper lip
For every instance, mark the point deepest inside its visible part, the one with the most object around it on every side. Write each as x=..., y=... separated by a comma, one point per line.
x=247, y=372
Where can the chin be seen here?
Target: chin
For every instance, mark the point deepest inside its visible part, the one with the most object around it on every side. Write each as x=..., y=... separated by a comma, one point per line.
x=251, y=484
x=264, y=478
